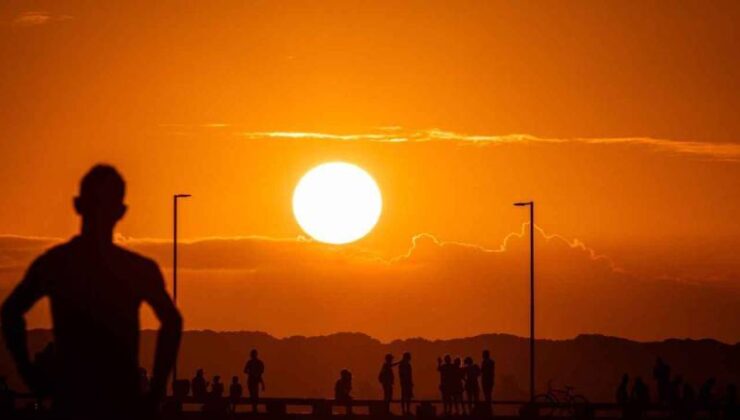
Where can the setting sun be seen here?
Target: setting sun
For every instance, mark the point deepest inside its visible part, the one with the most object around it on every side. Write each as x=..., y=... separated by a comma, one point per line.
x=337, y=203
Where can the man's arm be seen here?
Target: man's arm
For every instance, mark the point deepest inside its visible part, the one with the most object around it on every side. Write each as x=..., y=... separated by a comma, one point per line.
x=170, y=331
x=20, y=301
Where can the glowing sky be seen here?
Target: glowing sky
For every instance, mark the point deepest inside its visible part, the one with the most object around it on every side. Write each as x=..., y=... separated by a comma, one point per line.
x=620, y=120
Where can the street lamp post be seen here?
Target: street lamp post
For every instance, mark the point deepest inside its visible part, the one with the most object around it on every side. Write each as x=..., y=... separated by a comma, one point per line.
x=174, y=261
x=530, y=204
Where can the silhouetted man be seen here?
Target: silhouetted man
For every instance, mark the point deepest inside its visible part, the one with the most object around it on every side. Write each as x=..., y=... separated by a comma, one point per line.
x=215, y=405
x=622, y=396
x=343, y=386
x=674, y=394
x=706, y=392
x=387, y=378
x=662, y=375
x=488, y=373
x=235, y=392
x=405, y=377
x=446, y=382
x=254, y=370
x=640, y=396
x=343, y=389
x=457, y=386
x=95, y=289
x=472, y=389
x=217, y=387
x=199, y=385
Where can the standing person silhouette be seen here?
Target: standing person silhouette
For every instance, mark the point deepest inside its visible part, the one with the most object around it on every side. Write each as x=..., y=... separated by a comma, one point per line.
x=254, y=369
x=199, y=385
x=217, y=387
x=640, y=397
x=235, y=393
x=95, y=289
x=622, y=395
x=472, y=389
x=487, y=378
x=446, y=382
x=343, y=390
x=662, y=375
x=386, y=379
x=405, y=376
x=458, y=388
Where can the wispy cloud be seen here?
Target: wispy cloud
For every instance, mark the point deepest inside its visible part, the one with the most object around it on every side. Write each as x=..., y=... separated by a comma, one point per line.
x=379, y=137
x=574, y=244
x=35, y=18
x=436, y=288
x=729, y=152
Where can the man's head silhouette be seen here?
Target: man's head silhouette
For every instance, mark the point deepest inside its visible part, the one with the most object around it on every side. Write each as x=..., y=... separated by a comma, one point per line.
x=100, y=201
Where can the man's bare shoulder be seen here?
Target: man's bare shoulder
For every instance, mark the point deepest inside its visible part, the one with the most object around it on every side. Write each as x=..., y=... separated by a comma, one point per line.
x=56, y=254
x=136, y=261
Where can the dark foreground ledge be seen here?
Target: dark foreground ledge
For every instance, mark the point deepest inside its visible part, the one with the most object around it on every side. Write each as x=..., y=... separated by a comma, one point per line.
x=29, y=407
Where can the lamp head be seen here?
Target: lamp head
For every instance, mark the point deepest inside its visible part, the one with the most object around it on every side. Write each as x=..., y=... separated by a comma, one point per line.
x=523, y=203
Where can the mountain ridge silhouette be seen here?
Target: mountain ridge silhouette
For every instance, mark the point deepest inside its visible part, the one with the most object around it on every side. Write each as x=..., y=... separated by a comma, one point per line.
x=307, y=366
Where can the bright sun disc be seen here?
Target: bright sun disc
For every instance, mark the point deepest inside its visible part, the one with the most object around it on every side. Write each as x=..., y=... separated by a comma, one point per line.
x=337, y=203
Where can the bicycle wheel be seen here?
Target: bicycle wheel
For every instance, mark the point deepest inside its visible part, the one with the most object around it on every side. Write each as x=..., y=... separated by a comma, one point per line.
x=544, y=404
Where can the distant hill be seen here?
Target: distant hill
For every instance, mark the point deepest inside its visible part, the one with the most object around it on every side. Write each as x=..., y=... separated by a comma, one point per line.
x=308, y=366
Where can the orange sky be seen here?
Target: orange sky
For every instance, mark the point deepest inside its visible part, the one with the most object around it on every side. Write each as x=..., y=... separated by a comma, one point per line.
x=619, y=120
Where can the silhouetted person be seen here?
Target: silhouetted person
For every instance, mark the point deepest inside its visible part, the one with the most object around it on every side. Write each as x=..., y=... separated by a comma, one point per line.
x=235, y=392
x=254, y=369
x=446, y=379
x=640, y=394
x=95, y=289
x=472, y=389
x=386, y=378
x=622, y=396
x=488, y=372
x=405, y=377
x=457, y=386
x=343, y=389
x=199, y=385
x=217, y=387
x=662, y=375
x=215, y=405
x=706, y=392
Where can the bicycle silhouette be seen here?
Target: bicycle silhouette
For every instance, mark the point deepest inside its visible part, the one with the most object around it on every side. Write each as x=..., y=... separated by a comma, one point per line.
x=560, y=402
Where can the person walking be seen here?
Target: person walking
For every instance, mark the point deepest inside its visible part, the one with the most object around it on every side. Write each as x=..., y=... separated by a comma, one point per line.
x=255, y=369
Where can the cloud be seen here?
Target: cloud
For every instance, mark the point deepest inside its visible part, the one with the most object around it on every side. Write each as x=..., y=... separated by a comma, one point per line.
x=36, y=18
x=437, y=289
x=729, y=152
